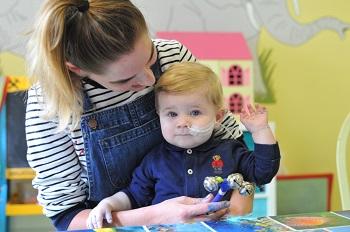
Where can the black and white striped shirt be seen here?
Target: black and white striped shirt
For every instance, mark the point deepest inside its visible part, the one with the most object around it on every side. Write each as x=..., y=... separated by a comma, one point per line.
x=58, y=158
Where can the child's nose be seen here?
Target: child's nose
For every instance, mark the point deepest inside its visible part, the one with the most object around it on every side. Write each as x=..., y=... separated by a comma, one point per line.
x=183, y=122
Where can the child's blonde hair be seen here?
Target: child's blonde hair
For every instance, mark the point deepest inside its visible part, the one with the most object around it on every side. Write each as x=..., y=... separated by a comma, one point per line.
x=188, y=77
x=89, y=39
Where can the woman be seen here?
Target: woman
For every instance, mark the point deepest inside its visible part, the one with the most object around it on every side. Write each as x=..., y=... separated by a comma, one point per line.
x=90, y=114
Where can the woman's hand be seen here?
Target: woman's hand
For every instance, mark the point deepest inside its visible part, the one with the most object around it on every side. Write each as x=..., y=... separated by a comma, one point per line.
x=172, y=211
x=187, y=209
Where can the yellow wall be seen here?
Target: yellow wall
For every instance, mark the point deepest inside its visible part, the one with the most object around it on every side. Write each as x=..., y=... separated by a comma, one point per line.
x=11, y=64
x=312, y=88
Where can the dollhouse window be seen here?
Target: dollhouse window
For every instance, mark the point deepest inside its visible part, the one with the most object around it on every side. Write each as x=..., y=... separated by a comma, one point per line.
x=236, y=103
x=235, y=75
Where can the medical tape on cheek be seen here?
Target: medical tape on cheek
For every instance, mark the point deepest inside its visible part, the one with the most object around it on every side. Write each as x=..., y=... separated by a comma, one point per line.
x=195, y=131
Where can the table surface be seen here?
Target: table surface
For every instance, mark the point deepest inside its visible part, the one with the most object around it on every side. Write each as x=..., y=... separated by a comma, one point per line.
x=316, y=222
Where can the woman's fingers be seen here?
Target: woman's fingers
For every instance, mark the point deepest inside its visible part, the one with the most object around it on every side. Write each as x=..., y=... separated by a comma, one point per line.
x=211, y=216
x=207, y=199
x=205, y=208
x=191, y=200
x=215, y=206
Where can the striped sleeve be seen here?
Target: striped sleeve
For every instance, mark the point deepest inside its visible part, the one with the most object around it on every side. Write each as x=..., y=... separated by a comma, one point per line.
x=53, y=157
x=172, y=51
x=229, y=128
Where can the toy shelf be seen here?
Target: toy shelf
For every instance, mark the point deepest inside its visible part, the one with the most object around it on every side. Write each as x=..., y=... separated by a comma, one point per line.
x=17, y=196
x=20, y=174
x=23, y=209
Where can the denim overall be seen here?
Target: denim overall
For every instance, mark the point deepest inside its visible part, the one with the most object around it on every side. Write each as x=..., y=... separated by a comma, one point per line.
x=116, y=140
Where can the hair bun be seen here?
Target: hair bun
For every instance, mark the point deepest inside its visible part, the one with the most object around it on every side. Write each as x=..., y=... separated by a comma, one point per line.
x=83, y=6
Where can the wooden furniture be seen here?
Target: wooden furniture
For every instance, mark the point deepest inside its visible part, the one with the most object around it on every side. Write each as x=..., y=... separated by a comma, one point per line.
x=17, y=197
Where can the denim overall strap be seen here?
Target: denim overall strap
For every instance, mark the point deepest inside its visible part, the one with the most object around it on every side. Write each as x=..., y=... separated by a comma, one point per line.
x=116, y=140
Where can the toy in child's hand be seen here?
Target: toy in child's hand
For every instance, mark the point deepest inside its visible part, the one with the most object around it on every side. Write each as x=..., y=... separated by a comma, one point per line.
x=246, y=189
x=233, y=181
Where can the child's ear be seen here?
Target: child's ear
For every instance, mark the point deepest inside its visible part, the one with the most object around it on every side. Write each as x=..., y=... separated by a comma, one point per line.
x=220, y=115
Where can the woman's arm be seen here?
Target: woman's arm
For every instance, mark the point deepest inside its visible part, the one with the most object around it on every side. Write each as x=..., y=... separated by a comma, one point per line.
x=79, y=221
x=176, y=210
x=54, y=157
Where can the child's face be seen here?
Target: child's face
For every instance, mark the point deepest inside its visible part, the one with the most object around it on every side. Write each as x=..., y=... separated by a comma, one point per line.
x=177, y=112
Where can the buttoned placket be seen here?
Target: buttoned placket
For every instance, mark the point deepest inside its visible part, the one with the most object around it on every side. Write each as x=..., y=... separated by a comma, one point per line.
x=189, y=171
x=190, y=175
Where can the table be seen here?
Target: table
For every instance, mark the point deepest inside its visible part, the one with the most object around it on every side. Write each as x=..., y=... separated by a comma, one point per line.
x=316, y=222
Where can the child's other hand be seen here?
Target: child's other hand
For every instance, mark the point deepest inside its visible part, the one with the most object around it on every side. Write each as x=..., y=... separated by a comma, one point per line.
x=102, y=211
x=254, y=119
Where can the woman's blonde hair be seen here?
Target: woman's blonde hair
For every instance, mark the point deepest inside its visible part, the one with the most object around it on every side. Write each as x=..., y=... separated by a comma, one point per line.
x=189, y=77
x=89, y=39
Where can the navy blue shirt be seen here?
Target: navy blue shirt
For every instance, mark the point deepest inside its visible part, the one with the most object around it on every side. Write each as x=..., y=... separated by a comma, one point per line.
x=169, y=171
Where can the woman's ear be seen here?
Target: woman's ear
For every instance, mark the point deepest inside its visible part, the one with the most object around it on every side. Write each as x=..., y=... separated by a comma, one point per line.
x=75, y=69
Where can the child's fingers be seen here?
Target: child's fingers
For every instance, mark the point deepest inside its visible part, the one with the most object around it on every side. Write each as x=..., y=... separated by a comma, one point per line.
x=246, y=110
x=109, y=218
x=250, y=109
x=99, y=220
x=243, y=114
x=89, y=223
x=260, y=108
x=96, y=221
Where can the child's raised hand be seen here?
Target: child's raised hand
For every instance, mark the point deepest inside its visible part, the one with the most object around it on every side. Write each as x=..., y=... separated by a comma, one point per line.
x=254, y=119
x=102, y=211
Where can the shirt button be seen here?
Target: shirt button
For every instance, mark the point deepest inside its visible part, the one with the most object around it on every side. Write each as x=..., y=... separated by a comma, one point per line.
x=189, y=171
x=189, y=151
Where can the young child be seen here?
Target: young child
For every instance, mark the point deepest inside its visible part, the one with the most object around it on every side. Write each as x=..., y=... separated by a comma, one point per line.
x=189, y=101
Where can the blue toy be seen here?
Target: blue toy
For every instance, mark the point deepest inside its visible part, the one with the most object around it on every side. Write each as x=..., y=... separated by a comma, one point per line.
x=233, y=181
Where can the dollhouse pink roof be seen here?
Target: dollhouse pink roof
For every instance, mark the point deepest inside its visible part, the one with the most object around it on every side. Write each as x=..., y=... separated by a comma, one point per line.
x=212, y=45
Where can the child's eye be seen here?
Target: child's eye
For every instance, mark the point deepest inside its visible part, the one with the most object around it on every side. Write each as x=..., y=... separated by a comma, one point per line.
x=195, y=113
x=171, y=114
